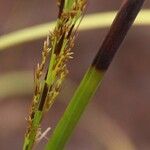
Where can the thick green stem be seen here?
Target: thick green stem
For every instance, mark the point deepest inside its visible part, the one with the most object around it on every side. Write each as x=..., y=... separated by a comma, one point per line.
x=75, y=109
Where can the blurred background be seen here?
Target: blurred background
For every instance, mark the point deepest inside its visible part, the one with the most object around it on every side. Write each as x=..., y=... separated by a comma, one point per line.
x=118, y=117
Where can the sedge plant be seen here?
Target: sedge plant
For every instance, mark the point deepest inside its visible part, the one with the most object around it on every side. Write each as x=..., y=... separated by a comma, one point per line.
x=58, y=47
x=47, y=85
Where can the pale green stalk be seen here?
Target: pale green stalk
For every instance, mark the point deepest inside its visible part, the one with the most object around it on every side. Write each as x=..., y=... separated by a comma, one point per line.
x=88, y=22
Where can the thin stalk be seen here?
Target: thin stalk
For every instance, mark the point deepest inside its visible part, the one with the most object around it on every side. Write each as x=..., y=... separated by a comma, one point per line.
x=58, y=45
x=94, y=75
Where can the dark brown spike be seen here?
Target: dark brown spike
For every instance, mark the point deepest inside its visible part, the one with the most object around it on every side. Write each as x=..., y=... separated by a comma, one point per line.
x=61, y=7
x=43, y=98
x=59, y=45
x=123, y=21
x=70, y=31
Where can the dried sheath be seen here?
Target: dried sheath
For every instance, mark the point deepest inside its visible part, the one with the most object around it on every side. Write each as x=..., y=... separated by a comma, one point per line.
x=117, y=33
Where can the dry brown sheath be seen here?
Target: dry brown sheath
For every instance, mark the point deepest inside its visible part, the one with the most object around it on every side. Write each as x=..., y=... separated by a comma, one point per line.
x=61, y=7
x=43, y=98
x=119, y=28
x=59, y=45
x=70, y=31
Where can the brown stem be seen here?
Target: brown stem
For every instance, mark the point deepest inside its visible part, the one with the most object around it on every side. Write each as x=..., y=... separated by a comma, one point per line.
x=122, y=23
x=61, y=7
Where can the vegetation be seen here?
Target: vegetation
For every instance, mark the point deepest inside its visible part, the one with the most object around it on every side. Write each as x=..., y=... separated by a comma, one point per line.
x=57, y=49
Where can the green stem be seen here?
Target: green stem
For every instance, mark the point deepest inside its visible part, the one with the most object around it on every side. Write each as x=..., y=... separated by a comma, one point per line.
x=68, y=4
x=75, y=109
x=29, y=141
